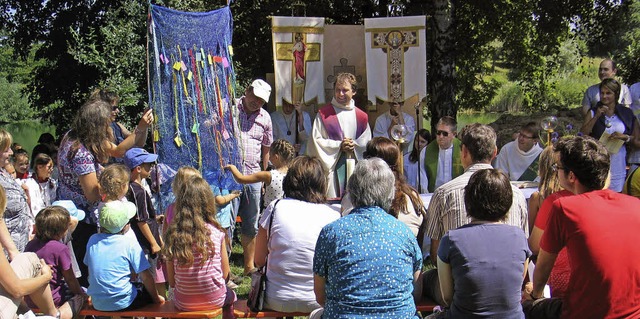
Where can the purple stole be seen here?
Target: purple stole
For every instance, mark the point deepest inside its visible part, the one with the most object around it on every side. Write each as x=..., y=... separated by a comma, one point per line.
x=330, y=121
x=332, y=126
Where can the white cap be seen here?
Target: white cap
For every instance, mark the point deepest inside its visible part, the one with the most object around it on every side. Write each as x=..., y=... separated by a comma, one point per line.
x=261, y=89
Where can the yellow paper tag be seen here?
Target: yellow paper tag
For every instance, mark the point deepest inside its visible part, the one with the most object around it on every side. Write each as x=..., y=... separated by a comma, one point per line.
x=230, y=50
x=178, y=141
x=156, y=136
x=177, y=66
x=190, y=76
x=209, y=58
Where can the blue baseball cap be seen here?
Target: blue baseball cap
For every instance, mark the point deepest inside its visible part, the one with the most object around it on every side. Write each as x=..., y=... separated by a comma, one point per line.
x=71, y=208
x=138, y=156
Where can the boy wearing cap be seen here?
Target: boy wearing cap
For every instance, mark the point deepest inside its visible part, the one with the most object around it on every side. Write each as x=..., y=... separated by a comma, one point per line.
x=112, y=257
x=143, y=224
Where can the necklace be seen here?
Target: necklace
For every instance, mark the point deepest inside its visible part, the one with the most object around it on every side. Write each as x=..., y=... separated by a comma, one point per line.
x=288, y=122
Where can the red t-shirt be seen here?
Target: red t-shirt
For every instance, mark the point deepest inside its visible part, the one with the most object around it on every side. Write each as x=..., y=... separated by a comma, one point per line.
x=600, y=232
x=561, y=271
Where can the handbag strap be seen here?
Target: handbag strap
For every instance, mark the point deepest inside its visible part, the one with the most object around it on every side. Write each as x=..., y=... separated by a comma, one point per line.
x=273, y=215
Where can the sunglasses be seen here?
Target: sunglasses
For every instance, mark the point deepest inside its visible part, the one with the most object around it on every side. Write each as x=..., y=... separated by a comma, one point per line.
x=443, y=133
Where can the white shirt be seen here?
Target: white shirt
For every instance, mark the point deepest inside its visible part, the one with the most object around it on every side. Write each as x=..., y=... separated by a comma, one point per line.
x=283, y=123
x=445, y=158
x=514, y=161
x=384, y=121
x=41, y=194
x=592, y=96
x=291, y=245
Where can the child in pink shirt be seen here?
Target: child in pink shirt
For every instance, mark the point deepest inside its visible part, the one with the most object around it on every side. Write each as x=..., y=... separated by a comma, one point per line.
x=198, y=264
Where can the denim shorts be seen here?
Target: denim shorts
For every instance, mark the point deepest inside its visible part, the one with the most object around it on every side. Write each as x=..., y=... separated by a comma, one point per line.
x=249, y=209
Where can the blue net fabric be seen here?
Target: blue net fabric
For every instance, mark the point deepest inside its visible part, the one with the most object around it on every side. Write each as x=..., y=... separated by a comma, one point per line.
x=191, y=81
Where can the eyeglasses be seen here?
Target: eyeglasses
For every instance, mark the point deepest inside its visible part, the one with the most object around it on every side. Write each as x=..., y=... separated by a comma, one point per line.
x=555, y=167
x=443, y=133
x=526, y=136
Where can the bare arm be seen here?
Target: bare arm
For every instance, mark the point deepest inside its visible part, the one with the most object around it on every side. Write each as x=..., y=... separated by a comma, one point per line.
x=542, y=272
x=146, y=232
x=446, y=281
x=171, y=278
x=534, y=239
x=150, y=285
x=262, y=176
x=138, y=137
x=225, y=261
x=90, y=187
x=260, y=255
x=265, y=158
x=433, y=250
x=319, y=289
x=590, y=120
x=18, y=288
x=72, y=282
x=533, y=208
x=7, y=242
x=417, y=286
x=223, y=200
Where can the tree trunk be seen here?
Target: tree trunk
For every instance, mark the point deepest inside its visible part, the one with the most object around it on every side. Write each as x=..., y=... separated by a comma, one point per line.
x=442, y=87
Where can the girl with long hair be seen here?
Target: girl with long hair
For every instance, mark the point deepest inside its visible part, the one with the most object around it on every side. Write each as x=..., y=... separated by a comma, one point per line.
x=195, y=250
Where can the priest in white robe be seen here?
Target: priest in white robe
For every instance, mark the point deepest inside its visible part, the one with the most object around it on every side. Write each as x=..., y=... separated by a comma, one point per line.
x=340, y=132
x=519, y=158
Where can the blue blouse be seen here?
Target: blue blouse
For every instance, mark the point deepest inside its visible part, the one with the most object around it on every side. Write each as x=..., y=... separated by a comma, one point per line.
x=368, y=259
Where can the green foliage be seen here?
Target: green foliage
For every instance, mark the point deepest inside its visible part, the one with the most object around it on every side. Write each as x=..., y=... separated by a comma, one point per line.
x=13, y=106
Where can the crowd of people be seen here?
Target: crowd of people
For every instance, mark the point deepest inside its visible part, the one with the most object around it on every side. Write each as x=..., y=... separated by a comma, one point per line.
x=82, y=223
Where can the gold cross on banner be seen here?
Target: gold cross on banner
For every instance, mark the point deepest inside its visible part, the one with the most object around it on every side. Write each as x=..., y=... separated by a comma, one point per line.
x=395, y=42
x=299, y=52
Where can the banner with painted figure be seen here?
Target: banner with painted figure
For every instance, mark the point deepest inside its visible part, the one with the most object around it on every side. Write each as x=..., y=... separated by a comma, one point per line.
x=298, y=65
x=396, y=59
x=191, y=81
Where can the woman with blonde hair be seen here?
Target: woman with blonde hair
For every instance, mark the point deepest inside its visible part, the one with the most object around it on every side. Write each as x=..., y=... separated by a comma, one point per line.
x=539, y=209
x=17, y=217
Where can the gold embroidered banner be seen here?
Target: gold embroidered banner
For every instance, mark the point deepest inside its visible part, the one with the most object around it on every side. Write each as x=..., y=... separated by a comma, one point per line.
x=297, y=52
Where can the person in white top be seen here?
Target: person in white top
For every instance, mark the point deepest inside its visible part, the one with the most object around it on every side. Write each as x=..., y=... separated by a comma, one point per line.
x=42, y=188
x=395, y=116
x=285, y=126
x=287, y=236
x=607, y=70
x=519, y=158
x=340, y=131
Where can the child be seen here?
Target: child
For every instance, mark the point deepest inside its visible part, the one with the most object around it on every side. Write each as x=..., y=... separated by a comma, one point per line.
x=184, y=173
x=11, y=170
x=144, y=224
x=42, y=188
x=198, y=265
x=52, y=226
x=112, y=258
x=280, y=154
x=21, y=164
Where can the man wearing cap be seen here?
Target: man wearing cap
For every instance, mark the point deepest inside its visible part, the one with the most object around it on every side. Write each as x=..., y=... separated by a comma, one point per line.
x=112, y=257
x=255, y=135
x=340, y=132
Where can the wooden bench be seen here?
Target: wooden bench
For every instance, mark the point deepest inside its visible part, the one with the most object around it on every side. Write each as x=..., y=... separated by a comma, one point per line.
x=241, y=310
x=166, y=310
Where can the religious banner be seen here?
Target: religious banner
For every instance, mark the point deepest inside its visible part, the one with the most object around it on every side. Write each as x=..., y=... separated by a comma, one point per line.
x=297, y=52
x=396, y=60
x=345, y=53
x=191, y=81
